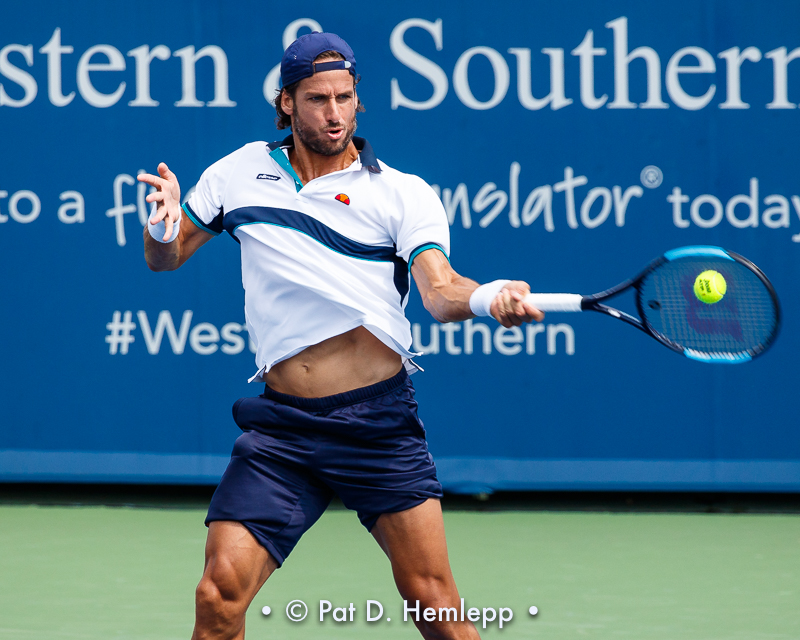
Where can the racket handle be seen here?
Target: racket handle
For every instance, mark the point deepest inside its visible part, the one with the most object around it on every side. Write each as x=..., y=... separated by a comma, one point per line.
x=567, y=302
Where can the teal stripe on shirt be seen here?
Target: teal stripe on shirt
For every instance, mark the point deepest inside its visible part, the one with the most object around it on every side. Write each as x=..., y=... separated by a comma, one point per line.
x=197, y=223
x=425, y=247
x=280, y=157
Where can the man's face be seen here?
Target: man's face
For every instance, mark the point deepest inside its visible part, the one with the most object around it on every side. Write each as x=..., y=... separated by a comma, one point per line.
x=324, y=111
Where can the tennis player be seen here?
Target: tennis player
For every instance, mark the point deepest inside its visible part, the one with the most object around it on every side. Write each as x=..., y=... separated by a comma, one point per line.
x=328, y=237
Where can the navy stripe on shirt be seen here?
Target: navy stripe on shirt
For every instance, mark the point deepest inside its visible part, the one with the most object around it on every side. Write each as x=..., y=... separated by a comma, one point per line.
x=323, y=234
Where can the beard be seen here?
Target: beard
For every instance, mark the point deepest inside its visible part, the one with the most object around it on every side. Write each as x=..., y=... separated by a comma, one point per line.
x=321, y=144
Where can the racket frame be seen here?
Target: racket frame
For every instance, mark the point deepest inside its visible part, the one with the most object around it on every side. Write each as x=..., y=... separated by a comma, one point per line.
x=595, y=302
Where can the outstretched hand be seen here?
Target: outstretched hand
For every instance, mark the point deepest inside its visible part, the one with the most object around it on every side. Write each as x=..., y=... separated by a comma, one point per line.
x=167, y=195
x=509, y=307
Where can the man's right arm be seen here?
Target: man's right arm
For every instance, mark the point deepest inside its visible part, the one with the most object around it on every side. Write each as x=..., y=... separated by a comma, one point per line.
x=169, y=255
x=447, y=295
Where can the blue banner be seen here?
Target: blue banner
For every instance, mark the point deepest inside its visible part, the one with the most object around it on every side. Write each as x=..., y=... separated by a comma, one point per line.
x=570, y=143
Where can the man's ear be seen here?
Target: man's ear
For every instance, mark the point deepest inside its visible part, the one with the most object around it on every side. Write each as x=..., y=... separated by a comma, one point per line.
x=287, y=104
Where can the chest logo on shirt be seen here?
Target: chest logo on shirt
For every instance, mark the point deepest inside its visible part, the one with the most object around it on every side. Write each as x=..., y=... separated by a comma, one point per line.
x=267, y=176
x=342, y=197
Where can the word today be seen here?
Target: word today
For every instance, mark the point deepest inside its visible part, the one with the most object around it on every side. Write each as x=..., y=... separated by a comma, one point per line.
x=741, y=211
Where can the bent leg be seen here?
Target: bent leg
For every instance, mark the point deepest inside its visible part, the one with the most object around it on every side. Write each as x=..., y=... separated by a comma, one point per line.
x=415, y=543
x=236, y=567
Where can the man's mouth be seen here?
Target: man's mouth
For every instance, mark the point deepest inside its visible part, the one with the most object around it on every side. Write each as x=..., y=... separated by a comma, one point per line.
x=334, y=134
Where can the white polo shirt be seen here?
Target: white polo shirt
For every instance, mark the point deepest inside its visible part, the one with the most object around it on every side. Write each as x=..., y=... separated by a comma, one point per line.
x=321, y=259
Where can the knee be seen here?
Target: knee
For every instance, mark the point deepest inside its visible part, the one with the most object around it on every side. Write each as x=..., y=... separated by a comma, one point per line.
x=437, y=593
x=430, y=591
x=428, y=586
x=425, y=585
x=219, y=605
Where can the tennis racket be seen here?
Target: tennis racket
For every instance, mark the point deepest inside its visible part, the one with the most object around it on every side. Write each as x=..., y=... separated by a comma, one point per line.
x=741, y=326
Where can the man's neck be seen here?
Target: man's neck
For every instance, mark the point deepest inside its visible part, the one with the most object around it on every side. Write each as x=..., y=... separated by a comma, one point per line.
x=309, y=165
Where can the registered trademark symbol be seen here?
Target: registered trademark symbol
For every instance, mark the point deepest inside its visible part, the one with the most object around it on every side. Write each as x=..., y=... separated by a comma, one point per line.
x=651, y=177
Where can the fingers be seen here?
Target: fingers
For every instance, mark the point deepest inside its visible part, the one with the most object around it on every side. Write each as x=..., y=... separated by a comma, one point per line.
x=153, y=181
x=162, y=212
x=166, y=197
x=164, y=172
x=510, y=309
x=168, y=231
x=159, y=215
x=533, y=312
x=162, y=208
x=166, y=179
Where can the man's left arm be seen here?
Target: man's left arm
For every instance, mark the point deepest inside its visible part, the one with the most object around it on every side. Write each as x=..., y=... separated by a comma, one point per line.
x=446, y=295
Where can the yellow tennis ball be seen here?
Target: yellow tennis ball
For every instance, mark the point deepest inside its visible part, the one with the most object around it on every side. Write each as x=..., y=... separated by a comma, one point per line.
x=710, y=286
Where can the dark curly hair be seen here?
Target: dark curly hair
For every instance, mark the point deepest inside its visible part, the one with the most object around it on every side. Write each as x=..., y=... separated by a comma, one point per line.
x=284, y=121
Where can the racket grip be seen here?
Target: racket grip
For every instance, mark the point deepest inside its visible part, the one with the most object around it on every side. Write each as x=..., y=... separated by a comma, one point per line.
x=566, y=302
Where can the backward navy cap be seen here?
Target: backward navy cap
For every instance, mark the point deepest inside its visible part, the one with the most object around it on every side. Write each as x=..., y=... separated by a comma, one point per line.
x=298, y=59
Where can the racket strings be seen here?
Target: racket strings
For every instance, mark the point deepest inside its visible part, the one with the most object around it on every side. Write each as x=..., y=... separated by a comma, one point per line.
x=743, y=321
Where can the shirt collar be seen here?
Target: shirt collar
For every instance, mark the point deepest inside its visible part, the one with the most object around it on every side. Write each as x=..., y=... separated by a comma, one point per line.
x=364, y=148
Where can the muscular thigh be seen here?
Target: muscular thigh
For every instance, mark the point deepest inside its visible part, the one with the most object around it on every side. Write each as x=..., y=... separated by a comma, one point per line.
x=236, y=562
x=414, y=541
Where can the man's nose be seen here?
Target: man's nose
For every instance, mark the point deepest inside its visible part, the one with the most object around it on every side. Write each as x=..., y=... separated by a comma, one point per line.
x=332, y=111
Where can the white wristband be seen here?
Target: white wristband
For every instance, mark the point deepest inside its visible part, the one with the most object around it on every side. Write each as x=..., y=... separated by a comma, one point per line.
x=159, y=229
x=481, y=299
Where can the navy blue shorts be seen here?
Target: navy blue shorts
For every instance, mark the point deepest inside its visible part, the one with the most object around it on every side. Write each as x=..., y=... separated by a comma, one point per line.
x=367, y=446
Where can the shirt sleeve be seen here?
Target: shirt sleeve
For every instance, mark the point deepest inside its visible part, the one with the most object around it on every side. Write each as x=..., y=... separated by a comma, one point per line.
x=424, y=222
x=205, y=207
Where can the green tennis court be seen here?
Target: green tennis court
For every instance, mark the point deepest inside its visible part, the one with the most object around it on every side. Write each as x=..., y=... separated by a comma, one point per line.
x=99, y=572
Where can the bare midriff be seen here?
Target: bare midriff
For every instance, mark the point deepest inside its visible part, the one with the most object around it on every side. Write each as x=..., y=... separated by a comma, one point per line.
x=345, y=362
